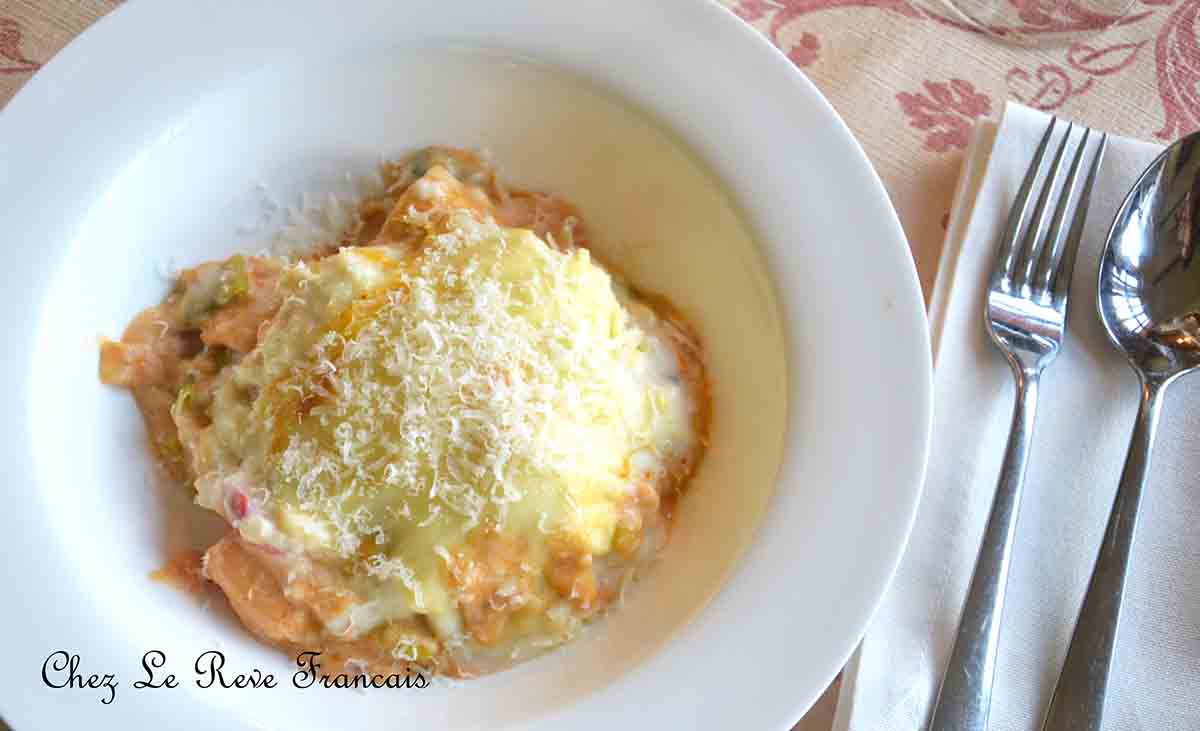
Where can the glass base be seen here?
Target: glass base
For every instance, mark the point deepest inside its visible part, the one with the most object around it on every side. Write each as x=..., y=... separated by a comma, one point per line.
x=1033, y=22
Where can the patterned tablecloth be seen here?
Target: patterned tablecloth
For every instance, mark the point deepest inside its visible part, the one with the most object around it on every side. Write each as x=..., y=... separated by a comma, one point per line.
x=906, y=76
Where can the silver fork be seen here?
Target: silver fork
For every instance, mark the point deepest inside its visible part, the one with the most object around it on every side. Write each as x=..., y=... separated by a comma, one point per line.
x=1026, y=316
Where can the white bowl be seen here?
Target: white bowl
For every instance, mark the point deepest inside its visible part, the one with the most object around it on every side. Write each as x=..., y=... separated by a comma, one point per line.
x=711, y=171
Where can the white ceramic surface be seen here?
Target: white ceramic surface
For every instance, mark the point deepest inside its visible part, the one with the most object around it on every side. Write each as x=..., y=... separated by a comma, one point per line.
x=710, y=170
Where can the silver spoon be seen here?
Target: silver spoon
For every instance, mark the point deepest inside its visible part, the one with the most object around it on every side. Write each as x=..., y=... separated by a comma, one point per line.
x=1149, y=300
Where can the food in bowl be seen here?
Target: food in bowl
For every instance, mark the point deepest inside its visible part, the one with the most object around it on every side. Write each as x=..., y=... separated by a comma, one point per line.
x=446, y=440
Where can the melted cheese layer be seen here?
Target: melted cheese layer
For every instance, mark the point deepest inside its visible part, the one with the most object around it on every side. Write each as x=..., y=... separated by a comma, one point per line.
x=405, y=400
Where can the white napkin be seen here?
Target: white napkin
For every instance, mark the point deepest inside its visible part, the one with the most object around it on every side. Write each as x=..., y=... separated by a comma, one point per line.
x=1086, y=413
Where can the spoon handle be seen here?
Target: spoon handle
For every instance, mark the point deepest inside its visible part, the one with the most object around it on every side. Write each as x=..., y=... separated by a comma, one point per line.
x=1078, y=700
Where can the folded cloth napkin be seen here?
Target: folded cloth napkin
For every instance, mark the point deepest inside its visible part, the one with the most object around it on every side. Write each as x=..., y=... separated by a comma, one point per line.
x=1085, y=417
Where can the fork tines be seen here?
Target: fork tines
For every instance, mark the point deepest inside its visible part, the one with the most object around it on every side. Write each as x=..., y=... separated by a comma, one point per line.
x=1035, y=260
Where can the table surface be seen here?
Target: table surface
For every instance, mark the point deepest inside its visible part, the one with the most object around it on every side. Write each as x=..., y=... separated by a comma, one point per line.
x=906, y=75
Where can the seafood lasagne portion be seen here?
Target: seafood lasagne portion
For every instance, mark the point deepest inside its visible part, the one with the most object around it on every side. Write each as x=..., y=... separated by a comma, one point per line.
x=445, y=441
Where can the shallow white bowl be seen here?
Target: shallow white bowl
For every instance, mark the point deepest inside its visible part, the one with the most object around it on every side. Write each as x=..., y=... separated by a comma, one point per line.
x=675, y=127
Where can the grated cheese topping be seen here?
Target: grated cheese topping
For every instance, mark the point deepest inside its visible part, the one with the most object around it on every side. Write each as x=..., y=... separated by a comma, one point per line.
x=405, y=397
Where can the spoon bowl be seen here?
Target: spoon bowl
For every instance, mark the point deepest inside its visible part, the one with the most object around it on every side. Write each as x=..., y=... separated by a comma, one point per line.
x=1149, y=301
x=1149, y=294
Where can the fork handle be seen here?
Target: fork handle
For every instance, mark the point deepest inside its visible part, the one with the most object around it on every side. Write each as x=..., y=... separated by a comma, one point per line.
x=966, y=693
x=1078, y=700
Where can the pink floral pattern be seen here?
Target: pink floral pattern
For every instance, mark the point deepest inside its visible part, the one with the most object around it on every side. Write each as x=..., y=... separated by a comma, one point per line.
x=1037, y=16
x=1035, y=12
x=1048, y=87
x=1051, y=85
x=1053, y=16
x=12, y=60
x=805, y=52
x=779, y=13
x=1103, y=60
x=946, y=111
x=1177, y=60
